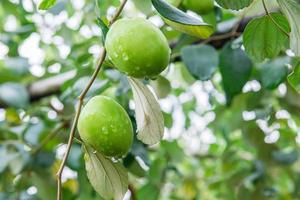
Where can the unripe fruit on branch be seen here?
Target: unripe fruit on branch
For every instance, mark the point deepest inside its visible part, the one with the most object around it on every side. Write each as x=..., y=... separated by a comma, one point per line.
x=137, y=48
x=104, y=125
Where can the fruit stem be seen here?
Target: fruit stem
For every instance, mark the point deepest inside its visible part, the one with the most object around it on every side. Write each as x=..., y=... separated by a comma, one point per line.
x=79, y=106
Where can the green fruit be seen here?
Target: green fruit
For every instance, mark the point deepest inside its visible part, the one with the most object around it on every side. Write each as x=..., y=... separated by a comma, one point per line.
x=137, y=48
x=105, y=125
x=199, y=6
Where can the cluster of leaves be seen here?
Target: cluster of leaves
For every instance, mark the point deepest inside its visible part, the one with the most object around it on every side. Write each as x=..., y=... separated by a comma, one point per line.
x=230, y=101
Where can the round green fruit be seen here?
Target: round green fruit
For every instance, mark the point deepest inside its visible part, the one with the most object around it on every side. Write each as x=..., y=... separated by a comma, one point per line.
x=199, y=6
x=137, y=48
x=105, y=125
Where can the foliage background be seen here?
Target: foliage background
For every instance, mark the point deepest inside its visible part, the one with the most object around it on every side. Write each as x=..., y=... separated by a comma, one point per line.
x=220, y=142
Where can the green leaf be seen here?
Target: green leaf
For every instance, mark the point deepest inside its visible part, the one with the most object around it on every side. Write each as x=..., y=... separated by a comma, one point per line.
x=168, y=120
x=201, y=60
x=162, y=87
x=74, y=158
x=43, y=159
x=45, y=184
x=13, y=69
x=97, y=87
x=144, y=6
x=6, y=157
x=182, y=75
x=148, y=192
x=235, y=67
x=291, y=10
x=157, y=170
x=264, y=39
x=33, y=132
x=46, y=4
x=102, y=6
x=104, y=28
x=19, y=160
x=286, y=158
x=173, y=150
x=175, y=3
x=150, y=121
x=133, y=166
x=17, y=65
x=234, y=4
x=294, y=78
x=181, y=21
x=274, y=72
x=108, y=178
x=14, y=94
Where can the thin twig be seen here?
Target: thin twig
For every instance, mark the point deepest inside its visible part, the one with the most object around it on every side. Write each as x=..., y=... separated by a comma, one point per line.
x=51, y=135
x=273, y=20
x=118, y=12
x=265, y=7
x=231, y=34
x=79, y=106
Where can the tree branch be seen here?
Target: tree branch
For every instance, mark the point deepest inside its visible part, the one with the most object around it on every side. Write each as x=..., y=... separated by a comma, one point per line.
x=79, y=106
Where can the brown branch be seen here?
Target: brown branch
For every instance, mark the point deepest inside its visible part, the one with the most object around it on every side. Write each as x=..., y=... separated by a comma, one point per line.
x=118, y=12
x=79, y=106
x=221, y=37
